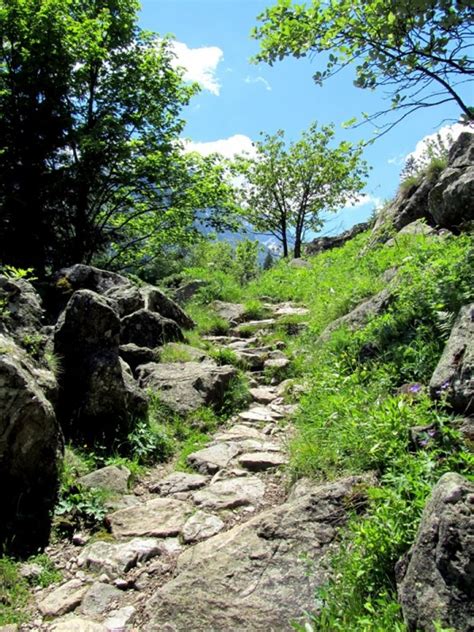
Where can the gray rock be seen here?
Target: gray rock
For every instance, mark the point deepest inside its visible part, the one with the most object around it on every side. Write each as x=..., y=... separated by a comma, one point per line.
x=210, y=460
x=185, y=387
x=119, y=619
x=258, y=414
x=231, y=493
x=77, y=624
x=31, y=446
x=135, y=356
x=63, y=599
x=160, y=517
x=178, y=482
x=189, y=289
x=454, y=374
x=30, y=571
x=114, y=478
x=259, y=461
x=360, y=316
x=418, y=227
x=435, y=581
x=201, y=526
x=148, y=329
x=126, y=299
x=276, y=363
x=451, y=199
x=410, y=204
x=231, y=312
x=263, y=395
x=300, y=264
x=157, y=301
x=320, y=244
x=240, y=432
x=254, y=577
x=99, y=598
x=23, y=309
x=98, y=398
x=288, y=309
x=84, y=277
x=116, y=558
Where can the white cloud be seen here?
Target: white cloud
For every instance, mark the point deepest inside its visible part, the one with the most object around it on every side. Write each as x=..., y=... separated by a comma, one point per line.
x=227, y=147
x=363, y=200
x=445, y=133
x=259, y=79
x=200, y=64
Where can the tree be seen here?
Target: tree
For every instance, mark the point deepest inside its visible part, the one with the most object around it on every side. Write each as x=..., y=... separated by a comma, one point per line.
x=89, y=136
x=417, y=51
x=285, y=190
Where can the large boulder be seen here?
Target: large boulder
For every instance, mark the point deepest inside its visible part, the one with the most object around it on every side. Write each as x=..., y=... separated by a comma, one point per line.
x=187, y=291
x=451, y=201
x=410, y=204
x=254, y=577
x=157, y=301
x=125, y=299
x=436, y=580
x=185, y=387
x=31, y=445
x=84, y=277
x=453, y=378
x=148, y=329
x=360, y=316
x=21, y=312
x=98, y=396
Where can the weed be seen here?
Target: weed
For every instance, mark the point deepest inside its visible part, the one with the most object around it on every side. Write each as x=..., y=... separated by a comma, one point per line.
x=13, y=593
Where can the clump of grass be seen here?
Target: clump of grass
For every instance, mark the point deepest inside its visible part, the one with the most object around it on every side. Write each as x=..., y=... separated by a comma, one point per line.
x=174, y=353
x=13, y=593
x=208, y=322
x=255, y=310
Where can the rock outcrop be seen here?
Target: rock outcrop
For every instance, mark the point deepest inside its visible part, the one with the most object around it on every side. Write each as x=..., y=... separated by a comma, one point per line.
x=320, y=244
x=435, y=581
x=453, y=378
x=97, y=397
x=451, y=200
x=31, y=441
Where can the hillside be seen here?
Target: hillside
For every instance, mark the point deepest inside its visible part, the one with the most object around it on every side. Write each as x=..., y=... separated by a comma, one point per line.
x=291, y=449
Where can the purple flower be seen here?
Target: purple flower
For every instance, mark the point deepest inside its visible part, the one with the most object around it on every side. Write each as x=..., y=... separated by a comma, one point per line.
x=415, y=388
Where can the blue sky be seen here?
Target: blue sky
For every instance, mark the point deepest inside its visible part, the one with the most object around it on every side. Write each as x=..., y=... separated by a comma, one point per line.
x=239, y=99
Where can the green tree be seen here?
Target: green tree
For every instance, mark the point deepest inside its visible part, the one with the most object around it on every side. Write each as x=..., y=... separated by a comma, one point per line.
x=89, y=146
x=417, y=51
x=285, y=189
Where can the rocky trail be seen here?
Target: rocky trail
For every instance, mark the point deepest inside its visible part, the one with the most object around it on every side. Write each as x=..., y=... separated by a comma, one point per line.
x=227, y=545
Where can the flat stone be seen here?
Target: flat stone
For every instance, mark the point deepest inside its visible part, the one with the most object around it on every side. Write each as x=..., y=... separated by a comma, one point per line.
x=98, y=599
x=258, y=414
x=231, y=493
x=210, y=460
x=119, y=619
x=254, y=577
x=232, y=312
x=263, y=395
x=201, y=526
x=287, y=309
x=114, y=478
x=63, y=599
x=276, y=363
x=160, y=517
x=178, y=482
x=266, y=323
x=240, y=432
x=116, y=558
x=11, y=627
x=77, y=624
x=258, y=461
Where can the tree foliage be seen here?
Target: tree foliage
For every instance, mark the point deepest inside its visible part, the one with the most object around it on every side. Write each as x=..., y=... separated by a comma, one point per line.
x=285, y=189
x=417, y=51
x=90, y=120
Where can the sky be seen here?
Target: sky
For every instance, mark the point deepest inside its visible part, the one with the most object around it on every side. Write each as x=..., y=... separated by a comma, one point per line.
x=239, y=99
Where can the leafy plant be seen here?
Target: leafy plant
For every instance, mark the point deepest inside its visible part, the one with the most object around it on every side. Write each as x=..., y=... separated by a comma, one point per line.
x=13, y=593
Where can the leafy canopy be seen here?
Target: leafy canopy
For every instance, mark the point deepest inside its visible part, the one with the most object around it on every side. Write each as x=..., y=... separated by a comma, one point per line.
x=418, y=51
x=285, y=189
x=90, y=159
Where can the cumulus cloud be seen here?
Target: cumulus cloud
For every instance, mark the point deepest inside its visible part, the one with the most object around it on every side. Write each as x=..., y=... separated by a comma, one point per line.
x=227, y=147
x=363, y=200
x=445, y=133
x=200, y=64
x=258, y=79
